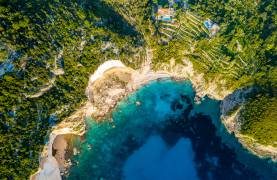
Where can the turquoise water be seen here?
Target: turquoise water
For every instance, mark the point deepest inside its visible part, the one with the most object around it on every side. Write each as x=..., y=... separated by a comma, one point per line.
x=164, y=136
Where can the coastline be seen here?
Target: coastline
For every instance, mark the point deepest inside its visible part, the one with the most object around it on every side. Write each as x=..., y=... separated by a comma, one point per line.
x=111, y=82
x=51, y=166
x=230, y=109
x=231, y=124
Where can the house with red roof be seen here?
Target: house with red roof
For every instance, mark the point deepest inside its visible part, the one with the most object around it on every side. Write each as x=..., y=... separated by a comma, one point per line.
x=165, y=14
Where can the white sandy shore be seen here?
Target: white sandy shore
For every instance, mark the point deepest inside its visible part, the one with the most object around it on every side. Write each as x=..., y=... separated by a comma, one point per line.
x=101, y=70
x=104, y=67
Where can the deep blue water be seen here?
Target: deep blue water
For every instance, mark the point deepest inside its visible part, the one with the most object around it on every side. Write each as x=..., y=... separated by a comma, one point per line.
x=165, y=137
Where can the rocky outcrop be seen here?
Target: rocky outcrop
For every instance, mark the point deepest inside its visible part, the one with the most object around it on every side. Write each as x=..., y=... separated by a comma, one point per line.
x=115, y=84
x=230, y=108
x=105, y=92
x=234, y=100
x=214, y=88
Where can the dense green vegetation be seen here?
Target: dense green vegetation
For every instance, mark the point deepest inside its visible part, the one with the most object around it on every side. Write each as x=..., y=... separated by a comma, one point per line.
x=242, y=54
x=249, y=32
x=242, y=30
x=259, y=119
x=259, y=114
x=48, y=36
x=55, y=45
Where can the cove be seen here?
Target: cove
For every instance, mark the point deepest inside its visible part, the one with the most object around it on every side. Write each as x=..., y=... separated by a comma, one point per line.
x=158, y=132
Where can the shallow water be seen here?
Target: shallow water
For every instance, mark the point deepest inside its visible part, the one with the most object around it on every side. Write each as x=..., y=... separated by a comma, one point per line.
x=165, y=136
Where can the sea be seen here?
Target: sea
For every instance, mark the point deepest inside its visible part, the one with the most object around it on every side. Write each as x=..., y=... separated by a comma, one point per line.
x=159, y=132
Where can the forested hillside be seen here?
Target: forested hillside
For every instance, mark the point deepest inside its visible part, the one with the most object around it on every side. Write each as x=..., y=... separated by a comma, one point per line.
x=249, y=32
x=242, y=54
x=49, y=48
x=53, y=47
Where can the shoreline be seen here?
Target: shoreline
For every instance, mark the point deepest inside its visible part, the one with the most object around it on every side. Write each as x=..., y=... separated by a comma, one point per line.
x=111, y=82
x=262, y=151
x=231, y=122
x=49, y=167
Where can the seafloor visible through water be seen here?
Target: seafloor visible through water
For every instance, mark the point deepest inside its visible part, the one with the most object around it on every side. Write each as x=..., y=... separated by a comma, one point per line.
x=159, y=133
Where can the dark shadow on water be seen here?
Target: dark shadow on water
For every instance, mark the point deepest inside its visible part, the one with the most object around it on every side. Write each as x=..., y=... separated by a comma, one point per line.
x=213, y=159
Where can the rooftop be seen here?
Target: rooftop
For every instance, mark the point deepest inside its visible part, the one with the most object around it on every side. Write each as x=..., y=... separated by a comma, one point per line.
x=165, y=11
x=165, y=14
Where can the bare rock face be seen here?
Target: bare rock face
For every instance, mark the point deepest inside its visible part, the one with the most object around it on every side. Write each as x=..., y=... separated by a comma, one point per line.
x=106, y=91
x=234, y=100
x=214, y=87
x=230, y=108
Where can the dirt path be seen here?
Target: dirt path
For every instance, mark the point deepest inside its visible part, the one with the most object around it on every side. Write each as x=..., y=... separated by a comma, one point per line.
x=147, y=64
x=56, y=72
